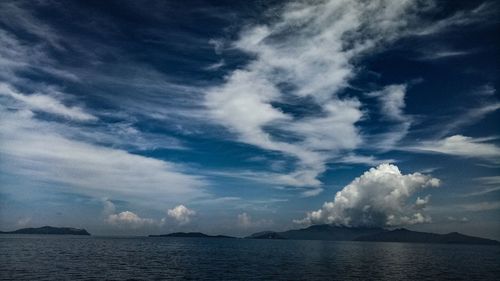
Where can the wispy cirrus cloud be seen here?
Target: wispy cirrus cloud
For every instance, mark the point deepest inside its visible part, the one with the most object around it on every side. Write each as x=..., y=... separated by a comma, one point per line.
x=36, y=150
x=16, y=15
x=47, y=103
x=308, y=53
x=462, y=146
x=481, y=13
x=85, y=102
x=485, y=103
x=441, y=54
x=63, y=152
x=392, y=104
x=481, y=206
x=485, y=185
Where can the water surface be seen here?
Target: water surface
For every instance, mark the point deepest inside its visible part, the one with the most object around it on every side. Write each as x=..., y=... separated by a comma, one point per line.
x=34, y=257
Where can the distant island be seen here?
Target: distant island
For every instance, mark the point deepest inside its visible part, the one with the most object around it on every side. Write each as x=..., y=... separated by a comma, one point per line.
x=319, y=232
x=266, y=235
x=343, y=233
x=191, y=235
x=408, y=236
x=49, y=230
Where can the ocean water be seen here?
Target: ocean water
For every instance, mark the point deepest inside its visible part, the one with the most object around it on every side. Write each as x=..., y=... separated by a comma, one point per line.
x=32, y=257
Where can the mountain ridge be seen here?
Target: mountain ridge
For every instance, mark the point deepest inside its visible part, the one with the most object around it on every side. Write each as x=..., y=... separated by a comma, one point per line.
x=49, y=230
x=191, y=235
x=409, y=236
x=369, y=234
x=319, y=232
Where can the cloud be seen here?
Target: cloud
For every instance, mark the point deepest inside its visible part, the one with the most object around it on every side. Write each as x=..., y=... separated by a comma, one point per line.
x=109, y=207
x=454, y=219
x=461, y=146
x=246, y=221
x=128, y=219
x=392, y=103
x=305, y=58
x=376, y=198
x=481, y=206
x=485, y=186
x=295, y=179
x=215, y=66
x=181, y=214
x=19, y=18
x=484, y=103
x=474, y=114
x=493, y=180
x=23, y=222
x=367, y=160
x=46, y=103
x=125, y=219
x=307, y=54
x=30, y=57
x=142, y=88
x=218, y=45
x=442, y=54
x=37, y=151
x=421, y=203
x=482, y=13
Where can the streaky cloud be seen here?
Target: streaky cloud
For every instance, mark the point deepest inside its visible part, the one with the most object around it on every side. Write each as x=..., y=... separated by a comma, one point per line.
x=47, y=103
x=35, y=151
x=462, y=146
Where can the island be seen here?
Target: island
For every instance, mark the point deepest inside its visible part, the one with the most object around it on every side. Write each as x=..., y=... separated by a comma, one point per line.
x=191, y=235
x=266, y=235
x=408, y=236
x=49, y=230
x=367, y=234
x=319, y=232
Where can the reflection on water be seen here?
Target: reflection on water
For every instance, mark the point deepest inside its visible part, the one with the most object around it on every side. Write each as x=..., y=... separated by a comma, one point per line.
x=31, y=257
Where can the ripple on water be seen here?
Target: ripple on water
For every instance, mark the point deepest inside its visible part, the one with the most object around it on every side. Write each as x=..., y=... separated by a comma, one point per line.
x=31, y=257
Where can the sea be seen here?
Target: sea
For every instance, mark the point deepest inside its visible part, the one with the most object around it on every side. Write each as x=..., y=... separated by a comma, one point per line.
x=53, y=257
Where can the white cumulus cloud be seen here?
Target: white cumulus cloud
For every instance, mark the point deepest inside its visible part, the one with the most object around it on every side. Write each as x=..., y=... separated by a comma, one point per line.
x=181, y=214
x=379, y=197
x=421, y=203
x=125, y=219
x=128, y=219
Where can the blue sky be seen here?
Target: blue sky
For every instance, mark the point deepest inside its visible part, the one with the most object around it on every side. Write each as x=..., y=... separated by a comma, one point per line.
x=132, y=117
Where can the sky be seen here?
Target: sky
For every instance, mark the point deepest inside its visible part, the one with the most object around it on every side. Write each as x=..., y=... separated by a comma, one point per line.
x=231, y=117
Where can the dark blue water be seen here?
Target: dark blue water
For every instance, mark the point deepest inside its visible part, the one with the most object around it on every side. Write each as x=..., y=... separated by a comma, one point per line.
x=31, y=257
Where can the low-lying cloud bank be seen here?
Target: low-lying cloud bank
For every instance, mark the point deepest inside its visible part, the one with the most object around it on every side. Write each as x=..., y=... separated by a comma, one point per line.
x=379, y=197
x=180, y=214
x=128, y=219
